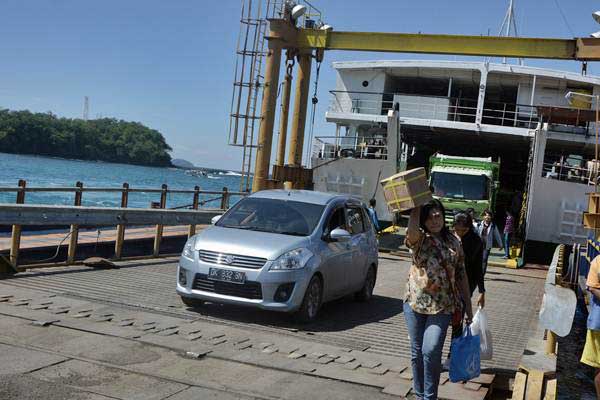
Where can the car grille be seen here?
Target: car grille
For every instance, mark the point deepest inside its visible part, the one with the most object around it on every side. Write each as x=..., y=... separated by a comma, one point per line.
x=247, y=290
x=214, y=257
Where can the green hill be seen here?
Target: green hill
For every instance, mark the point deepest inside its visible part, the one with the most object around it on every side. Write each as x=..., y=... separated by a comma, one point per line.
x=106, y=139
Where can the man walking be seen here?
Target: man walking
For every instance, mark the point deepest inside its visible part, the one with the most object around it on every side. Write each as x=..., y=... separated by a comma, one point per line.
x=373, y=214
x=488, y=231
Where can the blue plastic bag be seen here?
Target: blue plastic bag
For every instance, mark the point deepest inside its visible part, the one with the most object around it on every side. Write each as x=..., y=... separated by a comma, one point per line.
x=465, y=360
x=593, y=321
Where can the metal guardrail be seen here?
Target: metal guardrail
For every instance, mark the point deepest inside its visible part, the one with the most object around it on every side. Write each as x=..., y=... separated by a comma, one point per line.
x=21, y=214
x=434, y=107
x=366, y=147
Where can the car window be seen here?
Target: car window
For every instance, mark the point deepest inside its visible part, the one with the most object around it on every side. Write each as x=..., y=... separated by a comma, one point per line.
x=355, y=220
x=336, y=220
x=273, y=215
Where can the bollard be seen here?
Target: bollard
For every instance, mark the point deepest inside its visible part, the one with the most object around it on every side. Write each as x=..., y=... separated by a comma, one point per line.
x=195, y=202
x=225, y=199
x=121, y=228
x=15, y=239
x=159, y=228
x=74, y=231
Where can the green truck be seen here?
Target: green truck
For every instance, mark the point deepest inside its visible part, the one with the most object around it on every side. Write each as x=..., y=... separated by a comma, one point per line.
x=464, y=182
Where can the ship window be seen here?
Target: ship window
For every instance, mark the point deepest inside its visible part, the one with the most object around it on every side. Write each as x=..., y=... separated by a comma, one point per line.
x=365, y=83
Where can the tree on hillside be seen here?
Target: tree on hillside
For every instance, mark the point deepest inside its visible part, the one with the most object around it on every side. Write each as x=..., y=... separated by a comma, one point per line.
x=105, y=139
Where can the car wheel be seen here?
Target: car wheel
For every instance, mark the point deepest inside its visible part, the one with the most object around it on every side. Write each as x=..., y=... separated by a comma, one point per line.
x=366, y=293
x=312, y=301
x=191, y=302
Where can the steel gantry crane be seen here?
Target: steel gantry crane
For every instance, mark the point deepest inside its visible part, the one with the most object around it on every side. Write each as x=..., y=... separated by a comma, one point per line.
x=308, y=43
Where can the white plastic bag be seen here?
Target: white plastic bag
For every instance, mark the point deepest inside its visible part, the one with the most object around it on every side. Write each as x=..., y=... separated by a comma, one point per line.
x=481, y=328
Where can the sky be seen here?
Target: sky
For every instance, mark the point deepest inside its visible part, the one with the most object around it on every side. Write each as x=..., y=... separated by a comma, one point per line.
x=170, y=64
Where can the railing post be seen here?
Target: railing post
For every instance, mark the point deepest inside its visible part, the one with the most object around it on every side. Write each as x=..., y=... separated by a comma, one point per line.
x=195, y=202
x=121, y=228
x=225, y=199
x=550, y=342
x=74, y=231
x=15, y=239
x=159, y=228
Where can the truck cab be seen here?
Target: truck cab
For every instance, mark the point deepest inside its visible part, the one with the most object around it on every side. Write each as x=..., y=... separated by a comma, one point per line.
x=464, y=182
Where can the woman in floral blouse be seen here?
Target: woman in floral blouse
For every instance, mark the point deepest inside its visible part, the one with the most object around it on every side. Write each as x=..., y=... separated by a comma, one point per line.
x=437, y=283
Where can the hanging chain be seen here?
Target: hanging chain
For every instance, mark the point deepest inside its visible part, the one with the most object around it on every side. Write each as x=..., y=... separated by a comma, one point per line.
x=313, y=112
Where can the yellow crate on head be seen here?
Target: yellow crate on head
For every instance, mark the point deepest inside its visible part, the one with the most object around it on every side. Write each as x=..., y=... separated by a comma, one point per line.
x=406, y=190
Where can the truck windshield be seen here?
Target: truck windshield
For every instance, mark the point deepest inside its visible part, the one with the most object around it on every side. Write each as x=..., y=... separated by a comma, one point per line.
x=273, y=215
x=458, y=186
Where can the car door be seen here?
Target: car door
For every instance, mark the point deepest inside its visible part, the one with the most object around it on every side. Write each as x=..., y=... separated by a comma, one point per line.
x=356, y=270
x=335, y=256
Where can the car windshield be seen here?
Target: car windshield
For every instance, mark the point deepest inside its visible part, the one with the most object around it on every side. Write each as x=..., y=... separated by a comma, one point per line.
x=458, y=186
x=273, y=215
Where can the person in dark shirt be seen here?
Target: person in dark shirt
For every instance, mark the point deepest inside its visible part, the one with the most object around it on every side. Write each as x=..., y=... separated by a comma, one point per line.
x=473, y=249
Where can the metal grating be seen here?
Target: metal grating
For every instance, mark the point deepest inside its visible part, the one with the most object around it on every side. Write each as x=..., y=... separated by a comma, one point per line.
x=213, y=257
x=247, y=290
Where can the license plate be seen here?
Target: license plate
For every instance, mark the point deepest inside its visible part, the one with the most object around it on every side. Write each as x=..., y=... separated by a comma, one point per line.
x=226, y=275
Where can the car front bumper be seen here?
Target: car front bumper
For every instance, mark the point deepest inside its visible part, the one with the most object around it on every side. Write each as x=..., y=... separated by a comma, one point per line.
x=269, y=282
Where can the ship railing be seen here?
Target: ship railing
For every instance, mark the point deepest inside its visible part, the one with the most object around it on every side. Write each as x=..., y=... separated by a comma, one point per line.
x=361, y=147
x=587, y=175
x=312, y=18
x=50, y=217
x=428, y=107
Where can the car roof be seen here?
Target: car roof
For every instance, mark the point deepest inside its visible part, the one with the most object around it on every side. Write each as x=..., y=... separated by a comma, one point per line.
x=305, y=196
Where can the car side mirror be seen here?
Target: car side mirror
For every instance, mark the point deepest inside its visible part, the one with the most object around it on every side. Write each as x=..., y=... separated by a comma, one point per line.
x=340, y=235
x=215, y=219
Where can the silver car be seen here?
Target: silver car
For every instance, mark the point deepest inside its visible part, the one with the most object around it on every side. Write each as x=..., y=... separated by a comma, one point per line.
x=282, y=250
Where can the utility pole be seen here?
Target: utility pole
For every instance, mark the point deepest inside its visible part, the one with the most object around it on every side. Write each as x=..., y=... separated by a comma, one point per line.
x=86, y=108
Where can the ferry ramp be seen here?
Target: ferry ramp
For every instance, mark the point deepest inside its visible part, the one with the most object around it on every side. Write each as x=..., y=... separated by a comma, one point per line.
x=512, y=301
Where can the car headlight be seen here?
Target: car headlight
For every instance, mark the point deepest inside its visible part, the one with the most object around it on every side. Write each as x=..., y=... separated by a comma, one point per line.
x=295, y=259
x=188, y=249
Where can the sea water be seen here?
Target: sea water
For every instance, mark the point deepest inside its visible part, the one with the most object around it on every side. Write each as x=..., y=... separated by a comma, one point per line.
x=55, y=172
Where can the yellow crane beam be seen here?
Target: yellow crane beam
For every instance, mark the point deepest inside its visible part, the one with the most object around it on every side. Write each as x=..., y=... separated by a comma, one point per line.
x=583, y=49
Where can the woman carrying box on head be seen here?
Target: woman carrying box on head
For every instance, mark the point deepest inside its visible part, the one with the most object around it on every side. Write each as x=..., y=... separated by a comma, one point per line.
x=437, y=285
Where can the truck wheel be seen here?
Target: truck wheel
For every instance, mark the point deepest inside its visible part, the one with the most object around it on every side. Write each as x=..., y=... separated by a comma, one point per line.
x=312, y=301
x=191, y=302
x=366, y=293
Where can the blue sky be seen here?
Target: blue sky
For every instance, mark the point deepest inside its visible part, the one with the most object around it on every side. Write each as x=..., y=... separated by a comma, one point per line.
x=169, y=64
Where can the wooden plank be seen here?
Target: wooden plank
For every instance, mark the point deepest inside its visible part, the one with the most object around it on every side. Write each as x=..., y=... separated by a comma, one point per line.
x=550, y=390
x=535, y=385
x=519, y=386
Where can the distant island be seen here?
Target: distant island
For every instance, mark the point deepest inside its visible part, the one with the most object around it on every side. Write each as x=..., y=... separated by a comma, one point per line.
x=105, y=139
x=181, y=163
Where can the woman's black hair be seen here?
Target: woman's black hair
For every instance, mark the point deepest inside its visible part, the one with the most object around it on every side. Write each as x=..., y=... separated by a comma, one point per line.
x=489, y=212
x=434, y=204
x=463, y=219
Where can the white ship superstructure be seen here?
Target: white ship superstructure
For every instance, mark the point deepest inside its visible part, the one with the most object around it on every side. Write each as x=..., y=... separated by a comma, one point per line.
x=393, y=115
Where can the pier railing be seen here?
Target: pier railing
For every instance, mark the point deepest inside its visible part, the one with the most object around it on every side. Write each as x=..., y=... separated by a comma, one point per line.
x=76, y=216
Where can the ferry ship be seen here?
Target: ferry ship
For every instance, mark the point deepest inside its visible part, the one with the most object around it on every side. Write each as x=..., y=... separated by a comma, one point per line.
x=390, y=116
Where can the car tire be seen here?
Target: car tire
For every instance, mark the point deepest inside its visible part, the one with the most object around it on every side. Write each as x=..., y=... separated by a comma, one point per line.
x=192, y=302
x=312, y=301
x=366, y=293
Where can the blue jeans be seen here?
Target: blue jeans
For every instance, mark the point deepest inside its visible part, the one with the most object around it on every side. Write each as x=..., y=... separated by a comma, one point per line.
x=507, y=244
x=427, y=334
